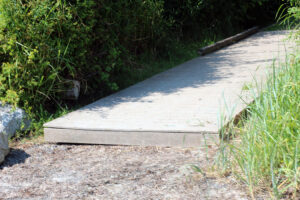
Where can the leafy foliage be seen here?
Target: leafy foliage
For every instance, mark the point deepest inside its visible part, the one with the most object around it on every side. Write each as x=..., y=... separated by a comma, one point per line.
x=289, y=14
x=45, y=42
x=41, y=40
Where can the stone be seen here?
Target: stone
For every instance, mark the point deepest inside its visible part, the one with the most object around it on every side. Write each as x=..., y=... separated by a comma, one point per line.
x=4, y=148
x=11, y=120
x=72, y=90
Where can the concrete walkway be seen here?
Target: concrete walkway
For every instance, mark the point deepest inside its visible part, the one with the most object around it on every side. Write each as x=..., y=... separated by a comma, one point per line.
x=179, y=107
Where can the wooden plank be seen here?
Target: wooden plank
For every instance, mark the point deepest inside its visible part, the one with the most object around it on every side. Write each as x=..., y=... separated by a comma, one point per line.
x=228, y=41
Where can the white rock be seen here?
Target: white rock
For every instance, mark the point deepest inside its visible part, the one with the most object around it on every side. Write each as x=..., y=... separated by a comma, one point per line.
x=11, y=120
x=4, y=148
x=72, y=90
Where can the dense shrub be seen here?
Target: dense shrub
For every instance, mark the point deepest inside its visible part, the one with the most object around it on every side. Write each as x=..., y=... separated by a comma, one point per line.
x=219, y=15
x=41, y=40
x=46, y=42
x=43, y=43
x=123, y=29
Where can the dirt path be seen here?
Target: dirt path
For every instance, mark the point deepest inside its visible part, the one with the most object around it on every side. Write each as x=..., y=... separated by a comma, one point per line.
x=48, y=171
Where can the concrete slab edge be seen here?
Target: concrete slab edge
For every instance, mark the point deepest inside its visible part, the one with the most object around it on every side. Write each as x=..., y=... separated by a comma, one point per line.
x=131, y=130
x=56, y=135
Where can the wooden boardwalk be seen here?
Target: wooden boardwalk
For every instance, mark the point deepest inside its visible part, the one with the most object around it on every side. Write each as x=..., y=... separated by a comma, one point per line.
x=179, y=107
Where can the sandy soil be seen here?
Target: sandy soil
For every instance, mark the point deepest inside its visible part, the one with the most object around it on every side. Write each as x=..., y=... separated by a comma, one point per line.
x=50, y=171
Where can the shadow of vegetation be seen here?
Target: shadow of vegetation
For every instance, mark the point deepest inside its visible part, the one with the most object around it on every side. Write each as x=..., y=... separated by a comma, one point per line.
x=16, y=156
x=198, y=72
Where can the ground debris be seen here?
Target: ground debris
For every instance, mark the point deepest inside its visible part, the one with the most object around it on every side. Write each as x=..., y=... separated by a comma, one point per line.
x=49, y=171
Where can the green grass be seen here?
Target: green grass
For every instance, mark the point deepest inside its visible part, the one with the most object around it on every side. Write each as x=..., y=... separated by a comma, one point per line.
x=282, y=26
x=36, y=127
x=266, y=152
x=277, y=27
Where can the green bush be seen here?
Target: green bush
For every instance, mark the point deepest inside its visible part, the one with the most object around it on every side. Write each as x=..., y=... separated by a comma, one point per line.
x=123, y=30
x=46, y=42
x=43, y=42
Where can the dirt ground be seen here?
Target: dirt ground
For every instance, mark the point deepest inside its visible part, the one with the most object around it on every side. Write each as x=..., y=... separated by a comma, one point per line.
x=51, y=171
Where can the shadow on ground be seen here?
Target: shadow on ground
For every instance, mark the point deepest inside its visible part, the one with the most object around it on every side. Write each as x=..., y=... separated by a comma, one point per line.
x=16, y=156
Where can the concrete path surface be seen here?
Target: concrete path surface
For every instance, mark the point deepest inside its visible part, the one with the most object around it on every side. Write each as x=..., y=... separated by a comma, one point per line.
x=179, y=107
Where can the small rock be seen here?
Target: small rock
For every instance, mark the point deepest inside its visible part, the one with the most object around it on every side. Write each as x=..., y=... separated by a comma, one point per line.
x=11, y=120
x=72, y=90
x=4, y=148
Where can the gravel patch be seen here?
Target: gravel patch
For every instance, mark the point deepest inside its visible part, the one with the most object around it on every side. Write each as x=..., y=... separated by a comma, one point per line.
x=50, y=171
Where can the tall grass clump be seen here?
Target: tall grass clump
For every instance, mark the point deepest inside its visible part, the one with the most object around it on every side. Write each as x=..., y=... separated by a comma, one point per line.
x=267, y=152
